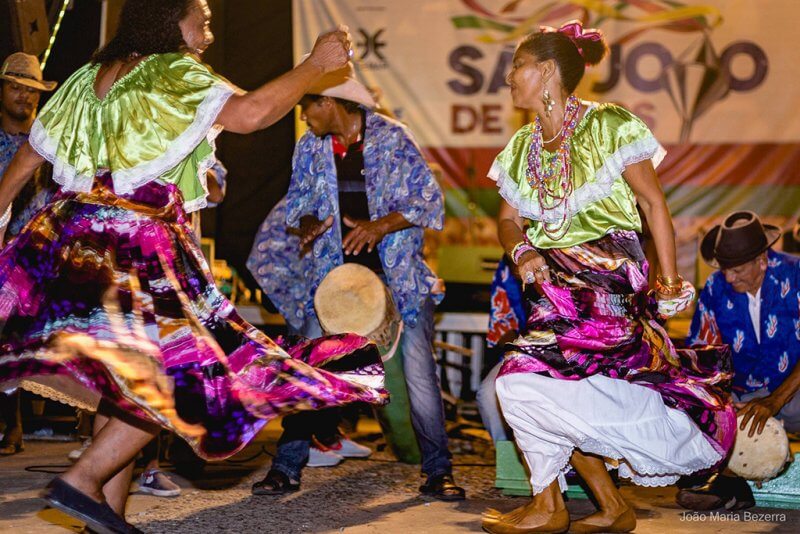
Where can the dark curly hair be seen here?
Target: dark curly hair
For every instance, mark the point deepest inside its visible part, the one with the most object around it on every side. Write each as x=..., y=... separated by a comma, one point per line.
x=564, y=51
x=146, y=27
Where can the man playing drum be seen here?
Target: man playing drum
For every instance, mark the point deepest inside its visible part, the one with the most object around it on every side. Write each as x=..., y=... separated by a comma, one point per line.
x=361, y=192
x=752, y=304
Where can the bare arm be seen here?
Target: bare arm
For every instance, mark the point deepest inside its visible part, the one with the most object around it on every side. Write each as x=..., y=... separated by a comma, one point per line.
x=256, y=110
x=19, y=171
x=642, y=179
x=760, y=410
x=215, y=192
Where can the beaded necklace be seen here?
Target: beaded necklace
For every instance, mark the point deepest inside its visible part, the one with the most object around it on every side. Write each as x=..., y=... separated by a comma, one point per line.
x=553, y=193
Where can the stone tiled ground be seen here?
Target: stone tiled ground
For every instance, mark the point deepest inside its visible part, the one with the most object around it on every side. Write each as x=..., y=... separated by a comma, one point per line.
x=371, y=496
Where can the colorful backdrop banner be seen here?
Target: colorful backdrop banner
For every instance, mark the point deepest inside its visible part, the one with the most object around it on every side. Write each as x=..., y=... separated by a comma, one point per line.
x=713, y=79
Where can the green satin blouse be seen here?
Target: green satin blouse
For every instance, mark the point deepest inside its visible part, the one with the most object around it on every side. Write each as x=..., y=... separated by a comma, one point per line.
x=156, y=122
x=606, y=140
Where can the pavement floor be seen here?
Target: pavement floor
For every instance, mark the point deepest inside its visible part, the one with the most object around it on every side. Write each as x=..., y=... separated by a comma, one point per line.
x=373, y=496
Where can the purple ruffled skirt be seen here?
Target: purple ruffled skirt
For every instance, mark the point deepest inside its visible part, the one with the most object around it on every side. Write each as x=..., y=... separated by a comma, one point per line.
x=104, y=296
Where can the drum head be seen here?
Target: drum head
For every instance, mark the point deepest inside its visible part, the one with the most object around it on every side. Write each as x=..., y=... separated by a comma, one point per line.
x=351, y=298
x=762, y=456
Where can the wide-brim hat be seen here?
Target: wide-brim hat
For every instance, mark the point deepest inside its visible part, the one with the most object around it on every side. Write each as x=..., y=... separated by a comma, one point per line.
x=740, y=238
x=342, y=84
x=24, y=69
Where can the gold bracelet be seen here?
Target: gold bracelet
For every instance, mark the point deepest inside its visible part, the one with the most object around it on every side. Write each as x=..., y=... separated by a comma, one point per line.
x=669, y=286
x=670, y=280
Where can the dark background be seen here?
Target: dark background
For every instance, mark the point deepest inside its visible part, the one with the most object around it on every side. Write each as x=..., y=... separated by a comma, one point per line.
x=253, y=45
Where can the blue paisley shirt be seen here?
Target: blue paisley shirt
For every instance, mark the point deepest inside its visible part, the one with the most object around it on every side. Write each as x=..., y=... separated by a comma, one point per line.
x=277, y=265
x=722, y=316
x=397, y=180
x=9, y=145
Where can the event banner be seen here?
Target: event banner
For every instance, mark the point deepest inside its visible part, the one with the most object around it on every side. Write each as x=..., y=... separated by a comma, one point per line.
x=712, y=79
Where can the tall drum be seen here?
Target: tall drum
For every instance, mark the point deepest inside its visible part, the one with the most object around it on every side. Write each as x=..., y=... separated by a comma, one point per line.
x=352, y=298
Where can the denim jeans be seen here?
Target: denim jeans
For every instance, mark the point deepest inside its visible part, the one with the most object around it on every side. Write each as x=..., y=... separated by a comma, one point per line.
x=425, y=398
x=489, y=407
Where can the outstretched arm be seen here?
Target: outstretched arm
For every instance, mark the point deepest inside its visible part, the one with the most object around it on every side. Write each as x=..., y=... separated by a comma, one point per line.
x=256, y=110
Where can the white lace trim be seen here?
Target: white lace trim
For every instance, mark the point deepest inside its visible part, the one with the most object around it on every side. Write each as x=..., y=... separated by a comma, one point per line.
x=202, y=171
x=125, y=181
x=64, y=174
x=588, y=193
x=649, y=475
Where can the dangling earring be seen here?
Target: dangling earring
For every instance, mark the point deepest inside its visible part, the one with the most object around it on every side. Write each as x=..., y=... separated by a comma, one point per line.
x=548, y=101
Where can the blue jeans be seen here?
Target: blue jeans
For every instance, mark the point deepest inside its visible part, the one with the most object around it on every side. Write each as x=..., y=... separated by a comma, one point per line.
x=424, y=395
x=489, y=407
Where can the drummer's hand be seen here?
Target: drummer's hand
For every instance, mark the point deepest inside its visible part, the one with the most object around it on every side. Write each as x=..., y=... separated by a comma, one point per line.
x=759, y=410
x=332, y=50
x=310, y=229
x=363, y=234
x=533, y=269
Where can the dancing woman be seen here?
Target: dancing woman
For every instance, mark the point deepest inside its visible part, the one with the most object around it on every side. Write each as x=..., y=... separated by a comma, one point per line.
x=594, y=381
x=106, y=301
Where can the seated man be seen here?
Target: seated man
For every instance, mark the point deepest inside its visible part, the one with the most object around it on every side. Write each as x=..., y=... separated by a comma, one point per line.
x=752, y=304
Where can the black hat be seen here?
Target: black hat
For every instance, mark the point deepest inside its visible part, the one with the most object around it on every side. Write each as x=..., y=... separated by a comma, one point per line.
x=740, y=238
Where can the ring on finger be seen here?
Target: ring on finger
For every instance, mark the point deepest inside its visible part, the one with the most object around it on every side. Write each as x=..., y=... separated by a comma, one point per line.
x=530, y=278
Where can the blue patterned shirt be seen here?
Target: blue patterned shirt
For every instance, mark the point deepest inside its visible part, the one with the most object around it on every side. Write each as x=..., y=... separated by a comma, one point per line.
x=722, y=316
x=9, y=145
x=397, y=180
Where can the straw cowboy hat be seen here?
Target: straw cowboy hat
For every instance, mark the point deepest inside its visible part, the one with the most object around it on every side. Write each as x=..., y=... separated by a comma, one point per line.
x=24, y=69
x=343, y=84
x=740, y=238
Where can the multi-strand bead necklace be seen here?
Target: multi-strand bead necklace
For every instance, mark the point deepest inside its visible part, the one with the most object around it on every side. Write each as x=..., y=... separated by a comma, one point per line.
x=553, y=181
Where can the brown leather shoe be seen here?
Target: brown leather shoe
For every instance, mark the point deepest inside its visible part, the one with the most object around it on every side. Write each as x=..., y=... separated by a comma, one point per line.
x=626, y=522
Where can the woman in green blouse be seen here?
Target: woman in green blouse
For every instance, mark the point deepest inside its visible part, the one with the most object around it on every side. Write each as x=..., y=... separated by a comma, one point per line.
x=593, y=380
x=106, y=301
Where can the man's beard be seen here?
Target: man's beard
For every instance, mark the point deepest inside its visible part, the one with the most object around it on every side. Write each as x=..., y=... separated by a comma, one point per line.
x=20, y=116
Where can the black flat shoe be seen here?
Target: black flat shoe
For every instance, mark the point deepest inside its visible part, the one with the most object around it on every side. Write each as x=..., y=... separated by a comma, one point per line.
x=99, y=517
x=731, y=493
x=443, y=488
x=275, y=483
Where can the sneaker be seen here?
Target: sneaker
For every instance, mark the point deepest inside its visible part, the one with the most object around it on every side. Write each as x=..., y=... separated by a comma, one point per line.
x=323, y=458
x=75, y=455
x=348, y=448
x=155, y=482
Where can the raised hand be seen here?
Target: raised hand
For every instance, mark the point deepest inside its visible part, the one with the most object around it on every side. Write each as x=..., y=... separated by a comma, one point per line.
x=332, y=50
